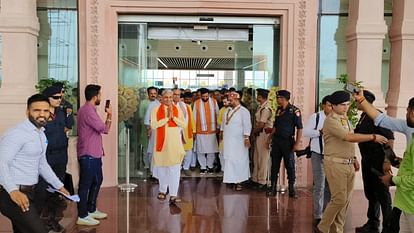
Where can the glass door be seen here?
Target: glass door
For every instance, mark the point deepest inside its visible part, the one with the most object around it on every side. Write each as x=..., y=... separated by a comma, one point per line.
x=132, y=99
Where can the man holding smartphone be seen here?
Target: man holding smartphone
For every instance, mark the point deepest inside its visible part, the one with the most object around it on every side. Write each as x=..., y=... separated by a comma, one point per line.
x=90, y=152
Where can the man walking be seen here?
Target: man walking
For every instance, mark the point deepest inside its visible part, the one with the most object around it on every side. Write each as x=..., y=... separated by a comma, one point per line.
x=22, y=160
x=90, y=152
x=314, y=130
x=236, y=128
x=205, y=116
x=167, y=120
x=340, y=162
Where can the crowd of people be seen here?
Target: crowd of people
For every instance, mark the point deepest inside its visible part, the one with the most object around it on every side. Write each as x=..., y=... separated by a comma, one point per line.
x=212, y=131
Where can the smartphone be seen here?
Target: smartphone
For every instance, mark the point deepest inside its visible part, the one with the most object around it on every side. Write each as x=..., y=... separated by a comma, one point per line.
x=350, y=87
x=107, y=103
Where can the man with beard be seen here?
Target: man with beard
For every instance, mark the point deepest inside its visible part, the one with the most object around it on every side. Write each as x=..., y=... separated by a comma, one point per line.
x=205, y=116
x=144, y=116
x=405, y=127
x=153, y=95
x=236, y=128
x=90, y=152
x=372, y=157
x=22, y=160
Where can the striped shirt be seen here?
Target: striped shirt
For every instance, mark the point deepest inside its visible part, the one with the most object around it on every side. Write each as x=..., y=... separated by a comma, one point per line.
x=23, y=158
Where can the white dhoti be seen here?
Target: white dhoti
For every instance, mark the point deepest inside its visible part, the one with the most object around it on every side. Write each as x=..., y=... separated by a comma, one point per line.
x=236, y=154
x=207, y=148
x=168, y=177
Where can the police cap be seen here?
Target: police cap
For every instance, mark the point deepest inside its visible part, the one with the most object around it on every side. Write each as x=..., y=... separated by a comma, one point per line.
x=283, y=93
x=339, y=97
x=262, y=92
x=52, y=90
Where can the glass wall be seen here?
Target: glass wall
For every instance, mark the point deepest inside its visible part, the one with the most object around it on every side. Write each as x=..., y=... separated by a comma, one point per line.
x=155, y=55
x=333, y=20
x=58, y=45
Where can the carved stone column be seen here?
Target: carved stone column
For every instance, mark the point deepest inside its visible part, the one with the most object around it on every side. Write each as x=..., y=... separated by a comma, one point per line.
x=19, y=27
x=401, y=67
x=365, y=33
x=402, y=55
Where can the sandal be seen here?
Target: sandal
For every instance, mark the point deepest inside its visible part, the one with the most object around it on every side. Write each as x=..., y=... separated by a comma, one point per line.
x=174, y=200
x=161, y=196
x=238, y=187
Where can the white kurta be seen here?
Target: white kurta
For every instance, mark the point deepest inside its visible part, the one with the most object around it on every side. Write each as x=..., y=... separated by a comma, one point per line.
x=236, y=155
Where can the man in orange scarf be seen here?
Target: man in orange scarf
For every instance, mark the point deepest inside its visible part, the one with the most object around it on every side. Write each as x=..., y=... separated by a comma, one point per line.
x=205, y=115
x=167, y=120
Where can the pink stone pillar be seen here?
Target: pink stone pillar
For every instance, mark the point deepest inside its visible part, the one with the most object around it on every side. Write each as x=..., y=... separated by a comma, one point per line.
x=402, y=56
x=19, y=27
x=401, y=65
x=365, y=33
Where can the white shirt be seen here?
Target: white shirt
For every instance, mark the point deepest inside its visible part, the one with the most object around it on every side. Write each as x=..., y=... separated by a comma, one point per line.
x=313, y=134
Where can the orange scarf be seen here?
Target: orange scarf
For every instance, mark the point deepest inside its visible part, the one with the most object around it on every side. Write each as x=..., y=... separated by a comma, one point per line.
x=207, y=114
x=161, y=130
x=190, y=126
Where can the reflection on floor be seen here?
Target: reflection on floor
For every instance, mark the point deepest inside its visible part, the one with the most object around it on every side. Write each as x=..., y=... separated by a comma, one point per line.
x=208, y=207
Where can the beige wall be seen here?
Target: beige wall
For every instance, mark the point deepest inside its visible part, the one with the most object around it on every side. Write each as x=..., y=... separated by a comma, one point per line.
x=98, y=50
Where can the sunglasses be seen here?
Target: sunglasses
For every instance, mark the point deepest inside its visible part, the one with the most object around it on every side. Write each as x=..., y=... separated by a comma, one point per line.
x=56, y=97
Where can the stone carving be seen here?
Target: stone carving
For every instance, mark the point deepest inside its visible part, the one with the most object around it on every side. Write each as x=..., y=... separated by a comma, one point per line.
x=93, y=40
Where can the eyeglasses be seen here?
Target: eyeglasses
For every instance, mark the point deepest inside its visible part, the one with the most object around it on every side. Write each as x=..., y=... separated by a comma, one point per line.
x=56, y=97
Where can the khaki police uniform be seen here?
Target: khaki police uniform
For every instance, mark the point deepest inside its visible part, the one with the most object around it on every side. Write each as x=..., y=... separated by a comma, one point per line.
x=261, y=150
x=340, y=172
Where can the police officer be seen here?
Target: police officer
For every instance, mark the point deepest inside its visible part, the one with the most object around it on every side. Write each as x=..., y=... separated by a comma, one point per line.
x=263, y=121
x=372, y=153
x=340, y=163
x=284, y=143
x=56, y=155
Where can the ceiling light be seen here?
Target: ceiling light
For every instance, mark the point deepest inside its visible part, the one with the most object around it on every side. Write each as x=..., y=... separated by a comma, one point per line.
x=208, y=63
x=162, y=63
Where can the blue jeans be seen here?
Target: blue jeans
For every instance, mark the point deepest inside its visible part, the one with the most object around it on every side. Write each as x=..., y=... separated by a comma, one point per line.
x=90, y=180
x=321, y=194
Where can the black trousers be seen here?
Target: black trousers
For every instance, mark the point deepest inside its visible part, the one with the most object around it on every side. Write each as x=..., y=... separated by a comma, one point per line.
x=23, y=222
x=282, y=148
x=393, y=223
x=377, y=194
x=46, y=200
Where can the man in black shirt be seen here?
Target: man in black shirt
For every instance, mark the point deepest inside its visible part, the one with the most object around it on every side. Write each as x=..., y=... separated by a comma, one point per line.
x=372, y=153
x=284, y=143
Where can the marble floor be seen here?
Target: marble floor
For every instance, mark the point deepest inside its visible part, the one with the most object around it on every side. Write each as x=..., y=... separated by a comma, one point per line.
x=208, y=206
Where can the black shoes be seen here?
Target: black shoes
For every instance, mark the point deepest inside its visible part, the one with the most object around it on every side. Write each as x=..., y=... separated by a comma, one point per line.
x=54, y=225
x=271, y=192
x=292, y=191
x=367, y=228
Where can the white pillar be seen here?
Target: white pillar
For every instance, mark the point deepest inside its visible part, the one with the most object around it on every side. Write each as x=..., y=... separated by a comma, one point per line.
x=19, y=27
x=365, y=33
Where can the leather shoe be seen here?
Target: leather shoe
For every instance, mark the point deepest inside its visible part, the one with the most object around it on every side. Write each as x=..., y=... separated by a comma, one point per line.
x=367, y=228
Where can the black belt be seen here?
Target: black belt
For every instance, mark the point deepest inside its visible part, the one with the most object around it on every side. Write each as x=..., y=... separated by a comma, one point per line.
x=22, y=188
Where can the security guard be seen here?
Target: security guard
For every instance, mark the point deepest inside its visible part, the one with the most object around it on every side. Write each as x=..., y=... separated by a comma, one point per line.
x=261, y=150
x=340, y=163
x=284, y=142
x=377, y=194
